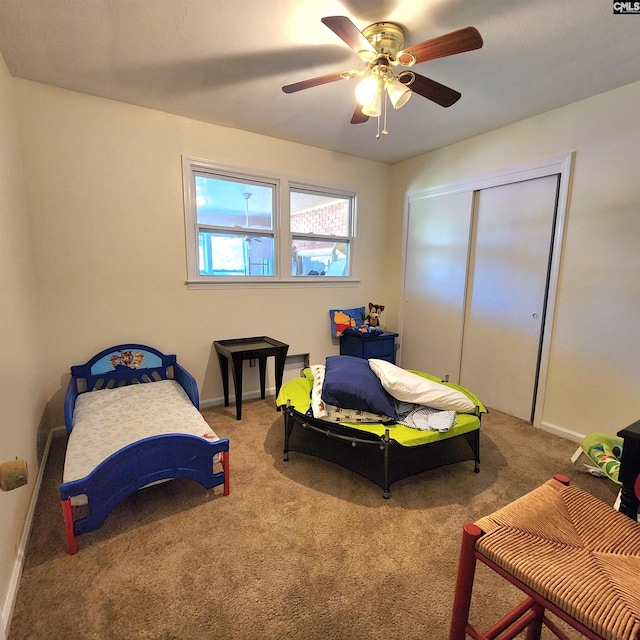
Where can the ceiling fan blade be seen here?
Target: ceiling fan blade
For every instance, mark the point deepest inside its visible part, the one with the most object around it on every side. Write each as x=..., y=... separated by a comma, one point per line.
x=358, y=117
x=449, y=44
x=314, y=82
x=349, y=33
x=430, y=89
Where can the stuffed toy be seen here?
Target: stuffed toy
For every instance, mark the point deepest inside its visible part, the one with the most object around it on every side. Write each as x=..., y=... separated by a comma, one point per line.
x=373, y=317
x=343, y=319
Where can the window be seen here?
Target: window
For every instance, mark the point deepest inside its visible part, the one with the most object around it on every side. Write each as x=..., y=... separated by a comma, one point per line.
x=321, y=226
x=235, y=225
x=237, y=232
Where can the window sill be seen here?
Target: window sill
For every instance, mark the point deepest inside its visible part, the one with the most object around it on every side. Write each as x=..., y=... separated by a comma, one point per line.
x=254, y=283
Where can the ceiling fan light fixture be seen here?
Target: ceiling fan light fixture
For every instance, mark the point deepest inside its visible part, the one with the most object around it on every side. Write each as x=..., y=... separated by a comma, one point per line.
x=373, y=109
x=367, y=90
x=398, y=93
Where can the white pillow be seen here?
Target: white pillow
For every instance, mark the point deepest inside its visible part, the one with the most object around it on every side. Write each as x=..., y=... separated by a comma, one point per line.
x=410, y=387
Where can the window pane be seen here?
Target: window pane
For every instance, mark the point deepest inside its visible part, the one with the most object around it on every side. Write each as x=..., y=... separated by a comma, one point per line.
x=321, y=214
x=224, y=202
x=319, y=258
x=225, y=254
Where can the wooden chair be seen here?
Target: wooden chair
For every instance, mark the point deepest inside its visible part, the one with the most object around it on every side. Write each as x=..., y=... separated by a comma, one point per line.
x=569, y=553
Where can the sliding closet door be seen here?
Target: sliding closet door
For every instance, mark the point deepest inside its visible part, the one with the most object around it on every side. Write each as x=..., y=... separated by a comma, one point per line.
x=506, y=294
x=437, y=248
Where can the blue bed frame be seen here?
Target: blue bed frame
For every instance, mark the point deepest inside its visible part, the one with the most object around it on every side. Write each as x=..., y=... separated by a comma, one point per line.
x=148, y=460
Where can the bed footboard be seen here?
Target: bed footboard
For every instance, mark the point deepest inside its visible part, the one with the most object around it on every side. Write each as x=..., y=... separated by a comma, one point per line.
x=148, y=460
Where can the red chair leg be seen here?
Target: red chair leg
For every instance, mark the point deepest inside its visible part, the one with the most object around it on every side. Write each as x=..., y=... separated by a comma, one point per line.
x=534, y=630
x=224, y=459
x=67, y=514
x=464, y=581
x=562, y=479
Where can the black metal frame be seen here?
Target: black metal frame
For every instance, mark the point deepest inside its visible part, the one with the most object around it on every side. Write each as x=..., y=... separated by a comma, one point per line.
x=379, y=459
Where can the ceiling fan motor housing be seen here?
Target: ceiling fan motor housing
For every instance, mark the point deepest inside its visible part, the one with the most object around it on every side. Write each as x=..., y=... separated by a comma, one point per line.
x=387, y=38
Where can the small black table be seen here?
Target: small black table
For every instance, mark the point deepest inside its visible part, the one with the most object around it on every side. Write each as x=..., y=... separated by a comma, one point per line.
x=630, y=470
x=239, y=349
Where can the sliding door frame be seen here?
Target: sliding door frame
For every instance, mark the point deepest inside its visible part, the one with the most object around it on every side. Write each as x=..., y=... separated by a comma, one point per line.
x=557, y=165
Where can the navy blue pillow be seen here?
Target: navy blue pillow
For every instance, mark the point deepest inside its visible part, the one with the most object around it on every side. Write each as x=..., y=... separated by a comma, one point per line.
x=350, y=383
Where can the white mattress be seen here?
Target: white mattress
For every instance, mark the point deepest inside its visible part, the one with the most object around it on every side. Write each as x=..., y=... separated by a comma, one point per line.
x=105, y=421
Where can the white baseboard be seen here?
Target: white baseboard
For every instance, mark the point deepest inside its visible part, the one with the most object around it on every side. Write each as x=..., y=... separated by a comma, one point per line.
x=14, y=583
x=567, y=434
x=246, y=395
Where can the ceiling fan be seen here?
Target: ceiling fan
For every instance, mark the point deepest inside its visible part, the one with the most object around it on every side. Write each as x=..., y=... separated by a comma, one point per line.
x=381, y=47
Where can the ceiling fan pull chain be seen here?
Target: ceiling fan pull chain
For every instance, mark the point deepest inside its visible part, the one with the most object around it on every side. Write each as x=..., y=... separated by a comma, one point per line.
x=384, y=112
x=384, y=118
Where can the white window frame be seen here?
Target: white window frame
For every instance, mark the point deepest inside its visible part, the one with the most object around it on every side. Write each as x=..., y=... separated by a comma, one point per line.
x=348, y=239
x=281, y=228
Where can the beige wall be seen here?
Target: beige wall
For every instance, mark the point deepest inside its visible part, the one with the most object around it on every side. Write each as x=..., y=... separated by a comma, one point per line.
x=21, y=387
x=594, y=375
x=105, y=192
x=102, y=260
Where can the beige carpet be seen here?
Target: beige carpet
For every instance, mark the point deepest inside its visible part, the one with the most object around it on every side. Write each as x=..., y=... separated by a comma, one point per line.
x=303, y=549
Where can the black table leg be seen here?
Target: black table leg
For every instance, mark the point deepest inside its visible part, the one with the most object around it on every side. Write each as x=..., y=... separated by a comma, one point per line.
x=280, y=358
x=237, y=384
x=263, y=376
x=224, y=369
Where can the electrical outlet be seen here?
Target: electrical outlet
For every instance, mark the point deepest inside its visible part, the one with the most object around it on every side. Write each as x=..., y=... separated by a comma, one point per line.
x=252, y=362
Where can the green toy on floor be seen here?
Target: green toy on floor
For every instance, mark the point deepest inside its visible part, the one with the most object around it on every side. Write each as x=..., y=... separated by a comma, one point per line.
x=599, y=454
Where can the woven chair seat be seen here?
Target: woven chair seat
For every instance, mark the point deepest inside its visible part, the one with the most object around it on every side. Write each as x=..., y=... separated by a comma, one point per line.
x=573, y=550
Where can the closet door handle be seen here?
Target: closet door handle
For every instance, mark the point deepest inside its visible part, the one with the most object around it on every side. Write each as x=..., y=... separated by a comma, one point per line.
x=535, y=315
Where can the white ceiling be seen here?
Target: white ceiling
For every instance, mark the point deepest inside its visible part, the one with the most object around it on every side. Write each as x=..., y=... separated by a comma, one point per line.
x=225, y=61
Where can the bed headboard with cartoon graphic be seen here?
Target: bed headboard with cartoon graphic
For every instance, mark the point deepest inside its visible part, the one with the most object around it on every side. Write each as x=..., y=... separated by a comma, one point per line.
x=125, y=364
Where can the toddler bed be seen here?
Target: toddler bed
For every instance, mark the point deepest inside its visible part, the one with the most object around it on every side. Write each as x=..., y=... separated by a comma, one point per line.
x=132, y=416
x=364, y=433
